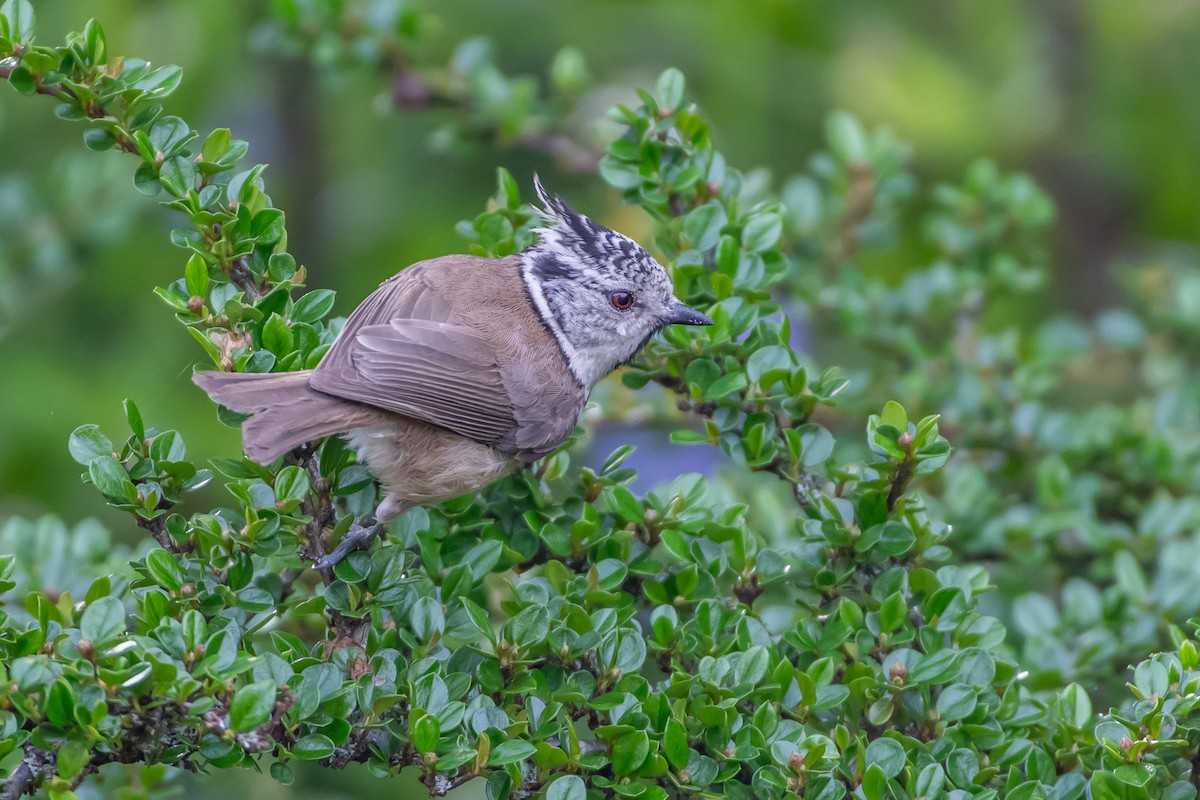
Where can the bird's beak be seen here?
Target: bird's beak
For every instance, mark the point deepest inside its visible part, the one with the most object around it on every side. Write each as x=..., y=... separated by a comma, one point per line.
x=683, y=315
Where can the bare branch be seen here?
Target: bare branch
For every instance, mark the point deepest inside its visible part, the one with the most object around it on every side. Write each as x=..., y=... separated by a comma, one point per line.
x=28, y=776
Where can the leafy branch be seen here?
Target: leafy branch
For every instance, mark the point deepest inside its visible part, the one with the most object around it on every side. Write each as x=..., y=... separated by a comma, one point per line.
x=555, y=634
x=484, y=105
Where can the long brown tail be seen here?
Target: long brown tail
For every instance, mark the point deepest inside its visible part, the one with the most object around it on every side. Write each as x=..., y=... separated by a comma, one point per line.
x=284, y=411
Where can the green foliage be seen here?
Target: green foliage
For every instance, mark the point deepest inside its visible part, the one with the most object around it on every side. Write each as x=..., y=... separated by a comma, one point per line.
x=46, y=226
x=396, y=40
x=559, y=633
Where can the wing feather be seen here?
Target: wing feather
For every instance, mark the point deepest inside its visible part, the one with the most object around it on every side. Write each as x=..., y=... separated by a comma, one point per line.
x=400, y=352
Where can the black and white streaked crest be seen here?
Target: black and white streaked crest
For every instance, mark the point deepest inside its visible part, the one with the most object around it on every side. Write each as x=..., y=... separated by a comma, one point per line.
x=574, y=273
x=584, y=247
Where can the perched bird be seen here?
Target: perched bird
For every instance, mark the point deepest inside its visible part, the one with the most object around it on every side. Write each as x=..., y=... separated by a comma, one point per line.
x=458, y=369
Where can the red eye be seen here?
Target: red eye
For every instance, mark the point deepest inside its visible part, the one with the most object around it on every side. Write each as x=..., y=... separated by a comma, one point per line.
x=621, y=301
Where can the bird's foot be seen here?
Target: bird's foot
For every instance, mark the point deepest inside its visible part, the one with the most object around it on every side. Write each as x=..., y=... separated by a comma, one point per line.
x=359, y=537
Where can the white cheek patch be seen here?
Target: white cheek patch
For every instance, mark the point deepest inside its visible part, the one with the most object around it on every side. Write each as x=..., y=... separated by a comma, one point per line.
x=543, y=309
x=627, y=328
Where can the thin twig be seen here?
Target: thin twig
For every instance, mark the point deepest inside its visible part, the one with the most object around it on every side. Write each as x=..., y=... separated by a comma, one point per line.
x=347, y=631
x=903, y=474
x=158, y=529
x=241, y=277
x=28, y=775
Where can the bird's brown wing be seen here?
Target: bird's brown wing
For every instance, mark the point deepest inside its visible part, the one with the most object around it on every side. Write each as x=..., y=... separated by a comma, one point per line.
x=406, y=350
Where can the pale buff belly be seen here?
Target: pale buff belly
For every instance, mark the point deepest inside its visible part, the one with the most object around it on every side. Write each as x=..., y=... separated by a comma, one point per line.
x=420, y=464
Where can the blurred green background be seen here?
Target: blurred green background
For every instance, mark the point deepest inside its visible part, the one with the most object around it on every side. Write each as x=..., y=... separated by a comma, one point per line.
x=1095, y=99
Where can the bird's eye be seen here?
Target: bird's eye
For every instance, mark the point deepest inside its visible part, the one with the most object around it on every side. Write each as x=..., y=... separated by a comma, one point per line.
x=621, y=301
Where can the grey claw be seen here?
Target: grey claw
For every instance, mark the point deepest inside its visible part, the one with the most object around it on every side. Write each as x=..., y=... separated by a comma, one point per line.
x=359, y=537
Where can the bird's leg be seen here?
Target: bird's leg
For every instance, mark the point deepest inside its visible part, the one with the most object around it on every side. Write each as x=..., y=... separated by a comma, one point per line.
x=360, y=536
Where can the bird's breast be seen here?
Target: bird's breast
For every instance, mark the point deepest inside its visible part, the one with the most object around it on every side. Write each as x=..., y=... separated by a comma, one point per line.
x=419, y=463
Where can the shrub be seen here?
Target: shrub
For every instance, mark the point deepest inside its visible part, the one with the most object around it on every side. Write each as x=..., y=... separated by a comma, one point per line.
x=827, y=630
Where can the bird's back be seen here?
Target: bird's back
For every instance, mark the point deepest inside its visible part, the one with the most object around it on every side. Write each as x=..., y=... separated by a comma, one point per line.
x=539, y=398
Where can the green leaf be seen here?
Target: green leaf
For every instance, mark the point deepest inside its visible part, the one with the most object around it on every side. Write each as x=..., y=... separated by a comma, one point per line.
x=216, y=144
x=160, y=82
x=619, y=175
x=702, y=226
x=724, y=385
x=168, y=446
x=196, y=276
x=510, y=752
x=267, y=226
x=291, y=484
x=97, y=47
x=169, y=135
x=178, y=175
x=769, y=365
x=963, y=766
x=531, y=626
x=567, y=787
x=133, y=417
x=1076, y=706
x=87, y=444
x=669, y=89
x=60, y=703
x=1151, y=679
x=506, y=187
x=110, y=478
x=243, y=185
x=762, y=232
x=629, y=752
x=888, y=755
x=847, y=138
x=98, y=139
x=145, y=180
x=252, y=705
x=103, y=621
x=22, y=23
x=752, y=665
x=478, y=617
x=483, y=557
x=426, y=733
x=72, y=758
x=427, y=618
x=956, y=701
x=22, y=79
x=164, y=569
x=313, y=306
x=874, y=782
x=277, y=335
x=627, y=505
x=675, y=744
x=688, y=437
x=930, y=780
x=1131, y=581
x=893, y=611
x=281, y=266
x=894, y=415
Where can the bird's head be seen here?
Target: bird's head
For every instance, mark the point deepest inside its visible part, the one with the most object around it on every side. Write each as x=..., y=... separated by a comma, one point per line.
x=599, y=292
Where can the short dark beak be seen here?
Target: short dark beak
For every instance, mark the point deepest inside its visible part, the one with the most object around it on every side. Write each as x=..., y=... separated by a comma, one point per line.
x=683, y=315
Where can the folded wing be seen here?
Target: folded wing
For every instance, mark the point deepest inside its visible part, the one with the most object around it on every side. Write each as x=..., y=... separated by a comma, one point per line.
x=401, y=351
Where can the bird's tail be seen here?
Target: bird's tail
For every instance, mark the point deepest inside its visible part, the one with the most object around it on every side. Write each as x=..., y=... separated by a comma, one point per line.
x=284, y=411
